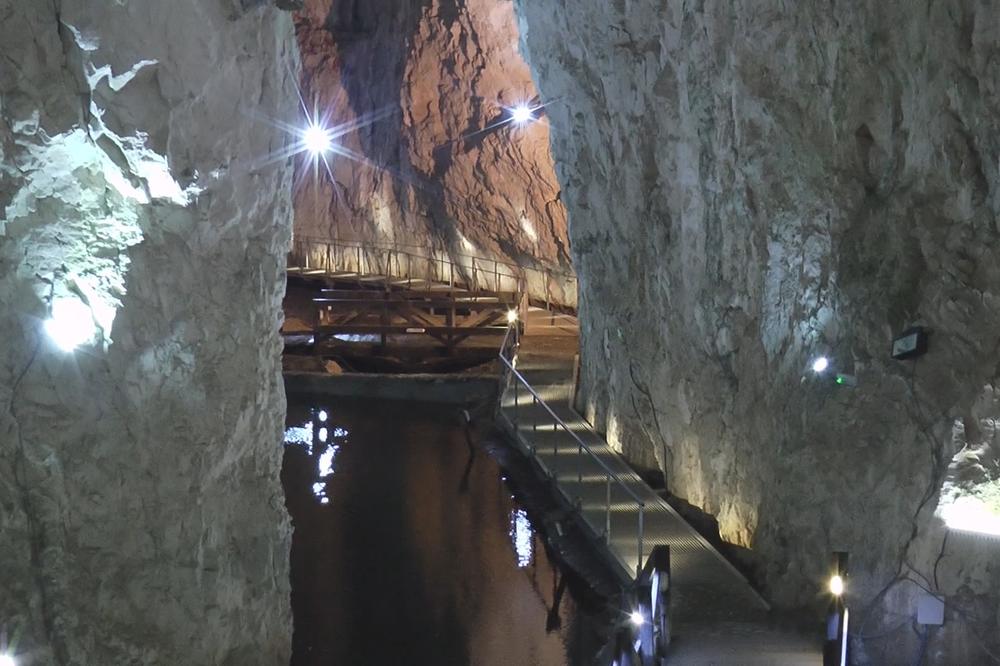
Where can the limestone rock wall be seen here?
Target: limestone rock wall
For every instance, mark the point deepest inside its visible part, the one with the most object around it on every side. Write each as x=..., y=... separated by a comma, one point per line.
x=433, y=161
x=141, y=514
x=749, y=186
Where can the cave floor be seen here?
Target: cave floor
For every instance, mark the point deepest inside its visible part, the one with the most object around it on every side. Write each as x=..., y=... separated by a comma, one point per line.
x=718, y=618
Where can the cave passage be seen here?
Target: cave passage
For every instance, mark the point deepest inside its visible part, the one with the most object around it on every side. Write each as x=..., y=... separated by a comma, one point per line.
x=408, y=547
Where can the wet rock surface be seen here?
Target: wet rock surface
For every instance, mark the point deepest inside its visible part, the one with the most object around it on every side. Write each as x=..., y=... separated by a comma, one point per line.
x=749, y=188
x=140, y=505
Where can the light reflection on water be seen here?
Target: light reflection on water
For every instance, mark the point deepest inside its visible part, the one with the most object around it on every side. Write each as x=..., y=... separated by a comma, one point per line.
x=312, y=436
x=407, y=548
x=300, y=435
x=522, y=537
x=326, y=461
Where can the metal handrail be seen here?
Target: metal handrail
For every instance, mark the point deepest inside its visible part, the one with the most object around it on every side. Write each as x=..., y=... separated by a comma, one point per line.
x=304, y=247
x=542, y=281
x=393, y=245
x=581, y=445
x=572, y=434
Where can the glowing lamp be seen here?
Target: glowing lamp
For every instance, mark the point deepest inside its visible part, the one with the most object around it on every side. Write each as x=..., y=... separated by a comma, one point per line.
x=322, y=415
x=7, y=660
x=636, y=618
x=511, y=316
x=317, y=140
x=836, y=585
x=521, y=114
x=71, y=325
x=820, y=364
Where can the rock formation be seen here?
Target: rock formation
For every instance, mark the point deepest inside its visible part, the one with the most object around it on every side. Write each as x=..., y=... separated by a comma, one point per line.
x=426, y=89
x=140, y=508
x=750, y=186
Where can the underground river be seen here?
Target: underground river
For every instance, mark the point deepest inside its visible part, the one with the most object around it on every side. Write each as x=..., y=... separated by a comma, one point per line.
x=409, y=548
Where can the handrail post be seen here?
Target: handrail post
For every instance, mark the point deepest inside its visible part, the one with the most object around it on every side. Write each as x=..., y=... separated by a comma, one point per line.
x=516, y=383
x=555, y=451
x=534, y=421
x=607, y=509
x=638, y=566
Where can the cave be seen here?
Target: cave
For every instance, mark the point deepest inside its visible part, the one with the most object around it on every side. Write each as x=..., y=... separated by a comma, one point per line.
x=499, y=332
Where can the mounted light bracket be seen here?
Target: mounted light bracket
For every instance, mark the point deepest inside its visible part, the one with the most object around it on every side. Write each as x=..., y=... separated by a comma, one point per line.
x=911, y=343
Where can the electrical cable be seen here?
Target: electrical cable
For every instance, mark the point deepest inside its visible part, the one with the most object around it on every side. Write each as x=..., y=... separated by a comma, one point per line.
x=939, y=469
x=944, y=544
x=923, y=646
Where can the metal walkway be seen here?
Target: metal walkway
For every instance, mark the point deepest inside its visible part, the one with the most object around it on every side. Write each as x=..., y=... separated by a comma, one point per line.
x=718, y=618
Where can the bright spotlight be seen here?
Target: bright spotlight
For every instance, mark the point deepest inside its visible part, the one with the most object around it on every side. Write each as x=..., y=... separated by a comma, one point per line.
x=71, y=325
x=821, y=364
x=7, y=660
x=511, y=316
x=322, y=415
x=836, y=586
x=317, y=140
x=521, y=114
x=636, y=618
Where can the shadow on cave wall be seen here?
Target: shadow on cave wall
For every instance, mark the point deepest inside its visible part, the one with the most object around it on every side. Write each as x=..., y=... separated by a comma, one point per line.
x=374, y=38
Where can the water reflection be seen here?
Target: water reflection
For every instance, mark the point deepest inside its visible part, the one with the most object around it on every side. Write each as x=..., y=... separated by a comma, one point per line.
x=522, y=537
x=311, y=437
x=300, y=435
x=407, y=556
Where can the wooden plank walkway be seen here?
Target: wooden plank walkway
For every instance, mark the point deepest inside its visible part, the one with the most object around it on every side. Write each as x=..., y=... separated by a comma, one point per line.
x=718, y=617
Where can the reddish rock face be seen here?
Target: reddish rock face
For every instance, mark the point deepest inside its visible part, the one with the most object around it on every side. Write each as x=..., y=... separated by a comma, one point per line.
x=436, y=159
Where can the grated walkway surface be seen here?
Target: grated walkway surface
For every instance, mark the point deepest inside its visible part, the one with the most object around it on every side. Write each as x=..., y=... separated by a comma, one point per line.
x=718, y=617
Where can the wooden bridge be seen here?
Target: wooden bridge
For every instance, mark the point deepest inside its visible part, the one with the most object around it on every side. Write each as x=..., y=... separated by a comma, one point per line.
x=384, y=296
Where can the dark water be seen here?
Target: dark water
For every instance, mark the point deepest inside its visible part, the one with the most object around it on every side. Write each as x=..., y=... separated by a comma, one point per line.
x=408, y=548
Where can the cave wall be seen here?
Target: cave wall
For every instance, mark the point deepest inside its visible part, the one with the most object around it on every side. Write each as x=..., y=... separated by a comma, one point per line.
x=140, y=507
x=433, y=162
x=751, y=185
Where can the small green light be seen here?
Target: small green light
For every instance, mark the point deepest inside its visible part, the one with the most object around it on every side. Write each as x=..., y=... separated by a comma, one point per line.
x=840, y=380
